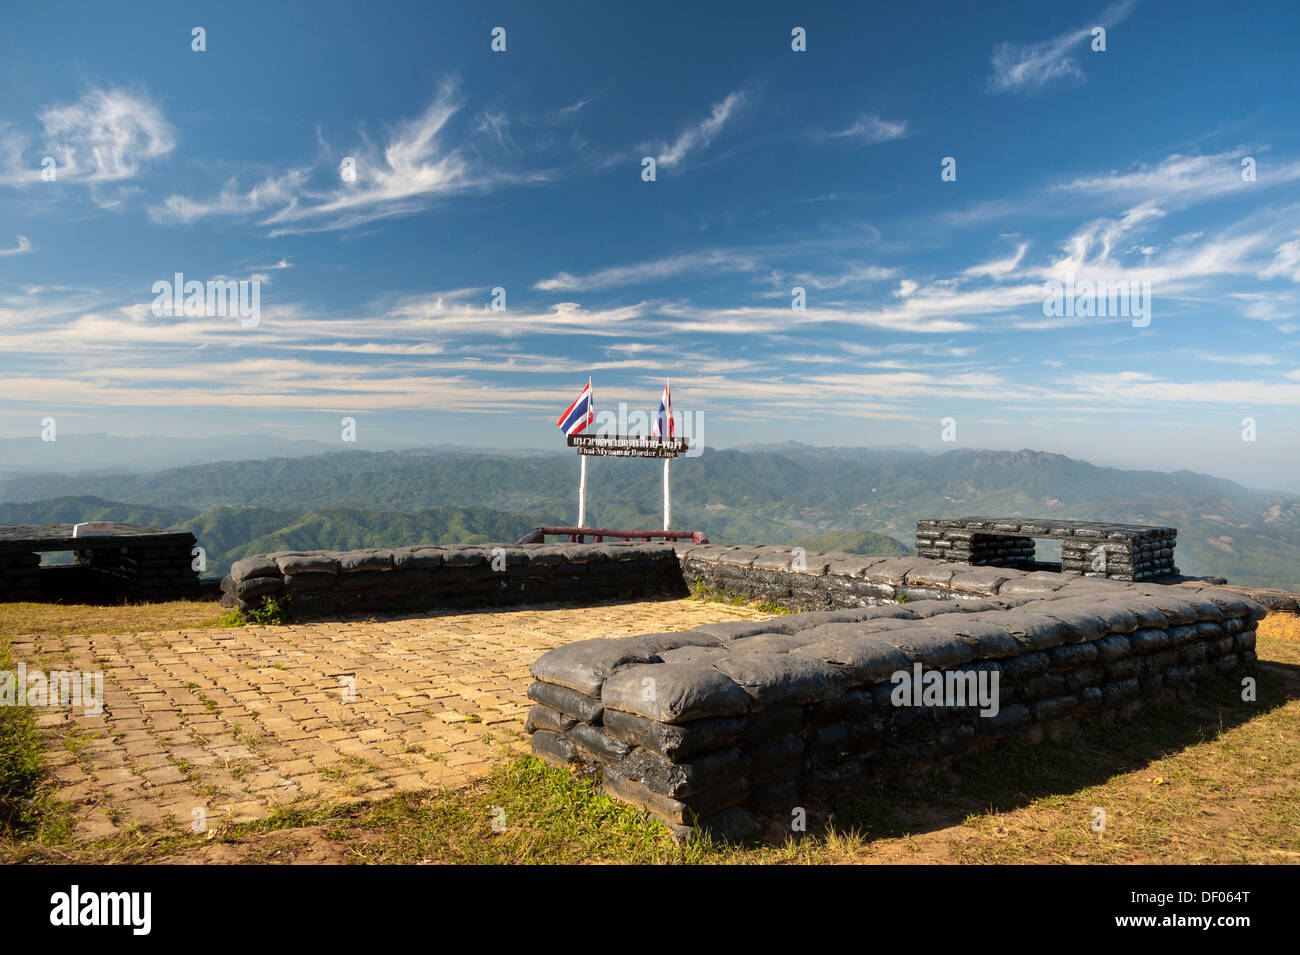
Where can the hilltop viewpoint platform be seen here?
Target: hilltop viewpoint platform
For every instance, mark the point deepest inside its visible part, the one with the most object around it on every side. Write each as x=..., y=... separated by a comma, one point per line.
x=892, y=666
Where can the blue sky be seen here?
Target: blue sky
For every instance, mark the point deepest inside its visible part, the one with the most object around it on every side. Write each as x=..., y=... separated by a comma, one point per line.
x=775, y=169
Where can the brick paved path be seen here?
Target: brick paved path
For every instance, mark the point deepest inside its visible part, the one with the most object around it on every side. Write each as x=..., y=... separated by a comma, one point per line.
x=235, y=722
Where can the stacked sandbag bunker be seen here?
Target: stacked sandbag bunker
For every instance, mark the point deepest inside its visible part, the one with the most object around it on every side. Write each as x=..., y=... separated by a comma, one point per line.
x=732, y=725
x=322, y=583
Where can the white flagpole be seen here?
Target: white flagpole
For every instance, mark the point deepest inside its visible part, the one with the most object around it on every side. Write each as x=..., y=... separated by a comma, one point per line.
x=582, y=492
x=668, y=505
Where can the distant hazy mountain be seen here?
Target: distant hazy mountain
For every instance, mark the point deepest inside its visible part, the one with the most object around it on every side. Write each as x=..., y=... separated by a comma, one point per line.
x=106, y=452
x=786, y=495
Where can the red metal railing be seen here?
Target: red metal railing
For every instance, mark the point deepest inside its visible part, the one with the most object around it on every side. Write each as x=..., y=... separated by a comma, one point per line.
x=579, y=535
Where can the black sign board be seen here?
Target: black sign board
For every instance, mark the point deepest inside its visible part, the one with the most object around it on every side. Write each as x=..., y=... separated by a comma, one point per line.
x=627, y=446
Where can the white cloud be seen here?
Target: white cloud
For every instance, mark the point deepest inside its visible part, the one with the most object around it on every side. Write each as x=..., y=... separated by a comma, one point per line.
x=416, y=166
x=999, y=267
x=1183, y=178
x=272, y=191
x=1286, y=262
x=1035, y=65
x=701, y=134
x=869, y=129
x=105, y=136
x=108, y=136
x=642, y=272
x=24, y=245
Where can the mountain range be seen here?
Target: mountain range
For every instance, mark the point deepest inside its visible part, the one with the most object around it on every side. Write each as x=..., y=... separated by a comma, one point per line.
x=783, y=494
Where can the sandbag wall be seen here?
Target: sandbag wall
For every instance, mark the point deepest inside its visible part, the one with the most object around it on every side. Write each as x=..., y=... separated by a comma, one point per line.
x=20, y=576
x=158, y=571
x=824, y=581
x=735, y=724
x=1095, y=549
x=320, y=583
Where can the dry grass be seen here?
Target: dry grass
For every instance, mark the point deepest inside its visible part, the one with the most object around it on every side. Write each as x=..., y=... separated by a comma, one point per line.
x=58, y=619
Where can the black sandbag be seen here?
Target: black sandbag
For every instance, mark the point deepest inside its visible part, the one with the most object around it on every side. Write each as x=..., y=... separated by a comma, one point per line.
x=1113, y=694
x=843, y=776
x=1084, y=626
x=832, y=743
x=703, y=655
x=542, y=717
x=578, y=705
x=1149, y=641
x=589, y=737
x=1035, y=631
x=251, y=567
x=319, y=563
x=306, y=583
x=1234, y=605
x=766, y=725
x=1007, y=720
x=845, y=708
x=1209, y=631
x=251, y=588
x=779, y=759
x=1076, y=680
x=1177, y=610
x=1149, y=616
x=677, y=742
x=680, y=780
x=417, y=558
x=1041, y=687
x=1122, y=669
x=1114, y=647
x=730, y=825
x=985, y=638
x=676, y=639
x=772, y=642
x=681, y=811
x=1071, y=655
x=553, y=748
x=1182, y=634
x=674, y=692
x=585, y=665
x=863, y=628
x=729, y=630
x=1117, y=617
x=932, y=648
x=867, y=659
x=775, y=797
x=774, y=678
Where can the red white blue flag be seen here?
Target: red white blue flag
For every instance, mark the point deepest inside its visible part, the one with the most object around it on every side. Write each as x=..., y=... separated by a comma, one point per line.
x=580, y=414
x=663, y=426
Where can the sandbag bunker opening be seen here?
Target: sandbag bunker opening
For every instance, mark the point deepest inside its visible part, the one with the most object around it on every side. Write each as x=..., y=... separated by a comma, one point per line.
x=737, y=727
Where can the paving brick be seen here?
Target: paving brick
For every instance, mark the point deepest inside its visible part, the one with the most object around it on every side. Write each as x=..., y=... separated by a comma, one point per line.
x=281, y=731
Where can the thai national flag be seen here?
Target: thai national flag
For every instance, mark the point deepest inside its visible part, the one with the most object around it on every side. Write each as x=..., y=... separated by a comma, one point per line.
x=580, y=414
x=663, y=426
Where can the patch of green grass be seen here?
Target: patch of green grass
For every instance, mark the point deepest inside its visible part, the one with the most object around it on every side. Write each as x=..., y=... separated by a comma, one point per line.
x=22, y=763
x=274, y=612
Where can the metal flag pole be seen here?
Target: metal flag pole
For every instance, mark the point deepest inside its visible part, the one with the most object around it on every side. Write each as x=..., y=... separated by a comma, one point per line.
x=582, y=492
x=582, y=473
x=668, y=504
